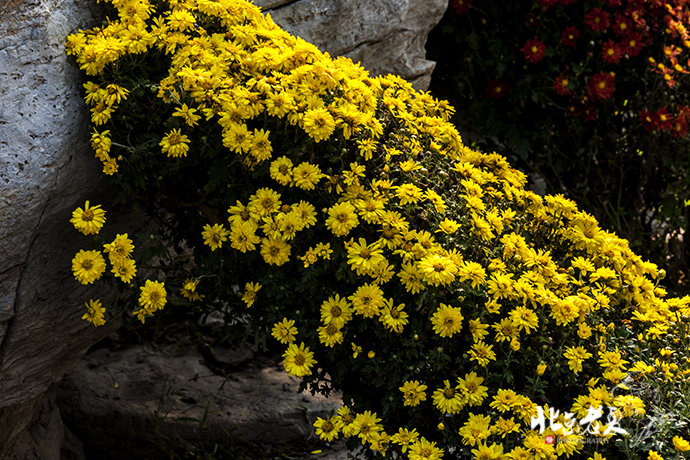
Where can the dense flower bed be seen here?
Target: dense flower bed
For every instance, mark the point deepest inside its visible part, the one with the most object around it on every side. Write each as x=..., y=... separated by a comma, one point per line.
x=458, y=312
x=590, y=97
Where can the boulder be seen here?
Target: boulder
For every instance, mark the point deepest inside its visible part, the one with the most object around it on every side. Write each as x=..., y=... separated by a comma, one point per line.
x=124, y=403
x=47, y=169
x=386, y=36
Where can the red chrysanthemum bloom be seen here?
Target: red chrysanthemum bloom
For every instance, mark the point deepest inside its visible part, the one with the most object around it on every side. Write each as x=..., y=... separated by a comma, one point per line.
x=461, y=6
x=648, y=120
x=612, y=52
x=496, y=89
x=570, y=35
x=614, y=2
x=601, y=86
x=589, y=113
x=534, y=50
x=664, y=120
x=597, y=20
x=623, y=25
x=561, y=85
x=680, y=124
x=632, y=44
x=532, y=20
x=568, y=2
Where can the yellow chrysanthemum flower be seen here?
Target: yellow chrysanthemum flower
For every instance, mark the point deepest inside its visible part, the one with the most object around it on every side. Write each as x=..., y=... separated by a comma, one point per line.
x=447, y=320
x=298, y=361
x=88, y=266
x=89, y=220
x=95, y=312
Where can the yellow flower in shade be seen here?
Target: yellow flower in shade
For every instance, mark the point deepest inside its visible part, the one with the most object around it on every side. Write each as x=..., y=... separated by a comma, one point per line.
x=405, y=438
x=491, y=452
x=341, y=218
x=425, y=450
x=447, y=320
x=472, y=272
x=243, y=236
x=448, y=226
x=438, y=269
x=298, y=361
x=281, y=170
x=367, y=300
x=330, y=335
x=88, y=266
x=575, y=357
x=366, y=424
x=95, y=313
x=472, y=389
x=411, y=278
x=505, y=426
x=214, y=235
x=524, y=319
x=319, y=124
x=448, y=399
x=408, y=194
x=284, y=331
x=413, y=392
x=681, y=444
x=275, y=251
x=153, y=296
x=482, y=353
x=264, y=202
x=326, y=429
x=336, y=311
x=250, y=291
x=119, y=249
x=394, y=318
x=363, y=257
x=187, y=114
x=306, y=176
x=89, y=220
x=189, y=290
x=654, y=455
x=307, y=216
x=344, y=421
x=541, y=368
x=175, y=144
x=125, y=269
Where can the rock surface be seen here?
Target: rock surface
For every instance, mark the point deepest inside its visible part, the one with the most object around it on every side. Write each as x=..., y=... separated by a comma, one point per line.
x=122, y=403
x=386, y=36
x=46, y=169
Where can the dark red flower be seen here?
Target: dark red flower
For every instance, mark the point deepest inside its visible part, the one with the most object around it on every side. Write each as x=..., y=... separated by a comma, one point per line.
x=534, y=50
x=623, y=24
x=601, y=86
x=562, y=85
x=664, y=120
x=496, y=89
x=570, y=35
x=597, y=20
x=461, y=6
x=613, y=2
x=680, y=124
x=632, y=44
x=568, y=2
x=532, y=20
x=611, y=52
x=589, y=113
x=648, y=120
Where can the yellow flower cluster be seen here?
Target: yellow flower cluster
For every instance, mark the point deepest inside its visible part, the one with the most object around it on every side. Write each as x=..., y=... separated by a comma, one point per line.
x=411, y=211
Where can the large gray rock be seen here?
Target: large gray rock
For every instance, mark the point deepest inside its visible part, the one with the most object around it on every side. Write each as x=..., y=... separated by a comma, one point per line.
x=46, y=169
x=386, y=36
x=123, y=403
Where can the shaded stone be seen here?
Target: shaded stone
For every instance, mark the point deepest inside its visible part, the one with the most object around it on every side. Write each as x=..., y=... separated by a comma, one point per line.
x=131, y=399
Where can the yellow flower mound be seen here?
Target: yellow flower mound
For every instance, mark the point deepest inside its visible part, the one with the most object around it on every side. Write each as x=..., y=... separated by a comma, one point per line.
x=448, y=276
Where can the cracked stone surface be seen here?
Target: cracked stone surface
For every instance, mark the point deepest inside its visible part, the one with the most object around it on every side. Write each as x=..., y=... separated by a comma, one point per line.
x=386, y=36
